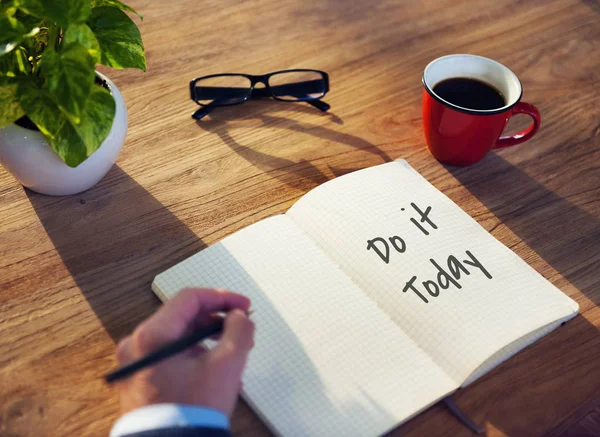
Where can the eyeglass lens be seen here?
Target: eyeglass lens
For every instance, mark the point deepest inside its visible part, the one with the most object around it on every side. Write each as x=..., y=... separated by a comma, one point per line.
x=222, y=90
x=297, y=85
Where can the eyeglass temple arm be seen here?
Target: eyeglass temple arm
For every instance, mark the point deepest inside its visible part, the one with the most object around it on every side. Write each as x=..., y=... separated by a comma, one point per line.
x=300, y=90
x=260, y=93
x=319, y=104
x=202, y=112
x=205, y=110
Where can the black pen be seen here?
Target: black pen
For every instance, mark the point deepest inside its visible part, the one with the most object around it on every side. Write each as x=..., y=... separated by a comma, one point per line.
x=167, y=351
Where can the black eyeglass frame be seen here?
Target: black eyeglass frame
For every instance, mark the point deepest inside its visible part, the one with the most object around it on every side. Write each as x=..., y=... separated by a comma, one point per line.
x=259, y=93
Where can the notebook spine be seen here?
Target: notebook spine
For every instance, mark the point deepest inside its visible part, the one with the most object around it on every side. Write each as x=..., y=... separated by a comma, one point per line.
x=448, y=401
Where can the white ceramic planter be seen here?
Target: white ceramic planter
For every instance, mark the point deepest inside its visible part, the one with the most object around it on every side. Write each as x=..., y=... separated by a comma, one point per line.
x=29, y=158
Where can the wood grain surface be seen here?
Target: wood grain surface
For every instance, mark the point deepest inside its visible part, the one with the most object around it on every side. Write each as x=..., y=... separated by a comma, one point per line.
x=75, y=272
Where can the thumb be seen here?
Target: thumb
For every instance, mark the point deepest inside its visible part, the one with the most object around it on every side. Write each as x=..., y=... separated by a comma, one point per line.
x=238, y=335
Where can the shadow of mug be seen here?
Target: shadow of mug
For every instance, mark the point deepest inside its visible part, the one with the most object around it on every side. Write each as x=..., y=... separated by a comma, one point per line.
x=564, y=234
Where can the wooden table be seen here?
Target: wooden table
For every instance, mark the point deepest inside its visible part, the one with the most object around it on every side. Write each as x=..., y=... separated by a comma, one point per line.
x=75, y=272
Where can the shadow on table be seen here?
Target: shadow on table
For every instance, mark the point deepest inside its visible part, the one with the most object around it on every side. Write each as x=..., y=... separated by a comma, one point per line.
x=294, y=174
x=565, y=235
x=114, y=239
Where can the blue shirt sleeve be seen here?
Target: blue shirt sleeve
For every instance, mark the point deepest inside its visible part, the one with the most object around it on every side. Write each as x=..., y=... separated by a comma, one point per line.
x=160, y=416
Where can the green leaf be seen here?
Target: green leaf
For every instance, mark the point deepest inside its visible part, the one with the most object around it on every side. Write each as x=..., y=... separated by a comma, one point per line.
x=115, y=4
x=73, y=143
x=62, y=12
x=41, y=109
x=10, y=108
x=70, y=76
x=29, y=21
x=119, y=38
x=83, y=35
x=97, y=119
x=13, y=31
x=15, y=63
x=7, y=7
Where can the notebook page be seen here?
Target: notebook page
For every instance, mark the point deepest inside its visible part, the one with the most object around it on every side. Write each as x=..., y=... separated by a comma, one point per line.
x=327, y=361
x=451, y=286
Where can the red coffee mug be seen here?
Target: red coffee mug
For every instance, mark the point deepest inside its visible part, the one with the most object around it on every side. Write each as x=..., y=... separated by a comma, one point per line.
x=462, y=136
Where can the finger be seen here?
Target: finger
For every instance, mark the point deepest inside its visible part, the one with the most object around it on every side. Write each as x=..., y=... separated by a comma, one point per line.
x=216, y=337
x=204, y=320
x=238, y=335
x=124, y=352
x=173, y=319
x=196, y=351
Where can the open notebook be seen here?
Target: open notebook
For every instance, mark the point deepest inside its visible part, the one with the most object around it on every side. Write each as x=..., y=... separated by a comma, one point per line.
x=375, y=296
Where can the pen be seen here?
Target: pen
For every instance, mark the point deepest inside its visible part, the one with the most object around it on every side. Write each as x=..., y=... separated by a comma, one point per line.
x=167, y=351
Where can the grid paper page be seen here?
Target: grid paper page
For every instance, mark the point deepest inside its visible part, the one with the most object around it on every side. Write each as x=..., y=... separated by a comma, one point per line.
x=459, y=319
x=327, y=361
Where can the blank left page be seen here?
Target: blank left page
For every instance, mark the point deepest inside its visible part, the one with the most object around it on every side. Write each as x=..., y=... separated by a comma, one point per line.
x=327, y=361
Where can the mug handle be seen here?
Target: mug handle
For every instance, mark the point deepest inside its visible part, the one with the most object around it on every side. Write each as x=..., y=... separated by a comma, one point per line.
x=524, y=135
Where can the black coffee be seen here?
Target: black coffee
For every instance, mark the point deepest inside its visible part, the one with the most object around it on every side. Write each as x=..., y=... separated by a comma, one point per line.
x=470, y=93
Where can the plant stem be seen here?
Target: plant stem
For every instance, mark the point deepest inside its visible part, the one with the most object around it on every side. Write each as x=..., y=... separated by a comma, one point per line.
x=53, y=36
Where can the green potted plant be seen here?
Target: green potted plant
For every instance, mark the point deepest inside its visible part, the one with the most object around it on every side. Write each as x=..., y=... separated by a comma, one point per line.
x=62, y=123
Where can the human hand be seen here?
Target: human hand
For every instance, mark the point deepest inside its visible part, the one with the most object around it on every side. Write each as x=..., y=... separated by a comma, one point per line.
x=197, y=376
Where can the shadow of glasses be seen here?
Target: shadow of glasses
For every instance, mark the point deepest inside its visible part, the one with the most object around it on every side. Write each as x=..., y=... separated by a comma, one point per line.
x=300, y=174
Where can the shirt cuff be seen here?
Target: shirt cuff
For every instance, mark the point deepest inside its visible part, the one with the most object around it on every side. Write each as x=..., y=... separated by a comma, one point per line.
x=160, y=416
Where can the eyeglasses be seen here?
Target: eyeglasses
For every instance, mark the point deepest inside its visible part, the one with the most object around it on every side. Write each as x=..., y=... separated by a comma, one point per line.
x=233, y=89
